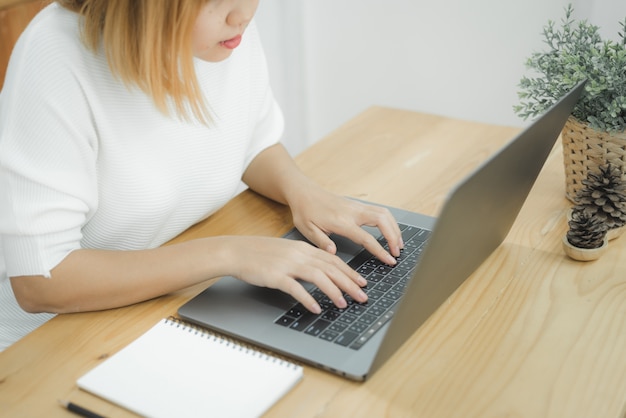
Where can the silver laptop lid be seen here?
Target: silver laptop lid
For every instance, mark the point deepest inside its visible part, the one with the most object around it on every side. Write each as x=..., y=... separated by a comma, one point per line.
x=475, y=219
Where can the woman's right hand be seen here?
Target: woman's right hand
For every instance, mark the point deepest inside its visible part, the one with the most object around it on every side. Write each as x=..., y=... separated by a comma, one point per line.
x=277, y=263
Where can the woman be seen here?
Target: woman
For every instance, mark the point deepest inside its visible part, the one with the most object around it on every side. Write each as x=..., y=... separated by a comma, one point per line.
x=124, y=122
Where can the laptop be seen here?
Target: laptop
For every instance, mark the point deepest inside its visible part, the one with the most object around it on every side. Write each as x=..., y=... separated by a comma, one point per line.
x=440, y=253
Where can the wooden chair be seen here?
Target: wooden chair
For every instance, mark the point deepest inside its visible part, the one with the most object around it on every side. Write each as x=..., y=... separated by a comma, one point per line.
x=14, y=17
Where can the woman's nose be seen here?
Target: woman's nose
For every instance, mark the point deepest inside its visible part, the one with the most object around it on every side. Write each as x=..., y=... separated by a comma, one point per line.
x=243, y=13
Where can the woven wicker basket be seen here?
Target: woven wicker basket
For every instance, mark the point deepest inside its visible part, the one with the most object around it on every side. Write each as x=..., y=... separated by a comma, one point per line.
x=585, y=149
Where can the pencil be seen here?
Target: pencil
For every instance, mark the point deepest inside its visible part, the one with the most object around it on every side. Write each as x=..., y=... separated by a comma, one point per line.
x=79, y=410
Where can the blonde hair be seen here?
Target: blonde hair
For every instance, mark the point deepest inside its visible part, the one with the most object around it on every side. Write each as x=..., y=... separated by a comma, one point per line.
x=148, y=43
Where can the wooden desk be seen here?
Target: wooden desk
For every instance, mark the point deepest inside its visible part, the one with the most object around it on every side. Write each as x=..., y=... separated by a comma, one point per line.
x=530, y=334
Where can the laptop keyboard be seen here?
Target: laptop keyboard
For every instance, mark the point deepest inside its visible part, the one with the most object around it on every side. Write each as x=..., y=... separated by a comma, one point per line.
x=354, y=325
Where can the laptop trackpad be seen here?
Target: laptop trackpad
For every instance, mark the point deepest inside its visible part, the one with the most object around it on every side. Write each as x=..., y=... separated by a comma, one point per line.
x=229, y=290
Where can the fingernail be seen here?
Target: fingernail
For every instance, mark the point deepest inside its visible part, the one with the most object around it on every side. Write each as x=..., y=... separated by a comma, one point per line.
x=390, y=260
x=362, y=281
x=316, y=309
x=362, y=296
x=342, y=303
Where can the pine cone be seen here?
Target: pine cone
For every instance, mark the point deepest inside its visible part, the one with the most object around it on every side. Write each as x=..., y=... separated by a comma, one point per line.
x=603, y=196
x=586, y=231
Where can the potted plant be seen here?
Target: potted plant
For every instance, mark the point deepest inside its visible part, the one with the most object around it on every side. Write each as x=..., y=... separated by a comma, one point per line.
x=594, y=134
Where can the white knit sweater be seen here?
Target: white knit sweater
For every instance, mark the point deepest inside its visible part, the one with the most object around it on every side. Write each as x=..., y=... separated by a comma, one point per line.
x=86, y=162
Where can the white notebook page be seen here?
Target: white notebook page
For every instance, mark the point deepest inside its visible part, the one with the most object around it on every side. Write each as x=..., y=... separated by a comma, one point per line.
x=176, y=370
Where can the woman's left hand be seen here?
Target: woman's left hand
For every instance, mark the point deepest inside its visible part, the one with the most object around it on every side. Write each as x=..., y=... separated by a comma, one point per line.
x=317, y=213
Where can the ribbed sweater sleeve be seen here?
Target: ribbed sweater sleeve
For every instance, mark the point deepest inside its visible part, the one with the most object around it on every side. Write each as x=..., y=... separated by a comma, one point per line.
x=48, y=152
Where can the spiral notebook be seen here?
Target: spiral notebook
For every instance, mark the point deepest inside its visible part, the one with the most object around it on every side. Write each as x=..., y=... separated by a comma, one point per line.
x=178, y=370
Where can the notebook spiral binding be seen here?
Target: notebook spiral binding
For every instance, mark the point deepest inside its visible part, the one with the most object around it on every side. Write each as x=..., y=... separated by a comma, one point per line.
x=203, y=332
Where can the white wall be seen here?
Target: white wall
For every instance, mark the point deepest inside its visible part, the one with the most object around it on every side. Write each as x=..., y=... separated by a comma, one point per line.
x=331, y=59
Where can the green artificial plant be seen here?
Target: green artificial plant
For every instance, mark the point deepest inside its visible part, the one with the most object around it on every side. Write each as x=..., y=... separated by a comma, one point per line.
x=577, y=52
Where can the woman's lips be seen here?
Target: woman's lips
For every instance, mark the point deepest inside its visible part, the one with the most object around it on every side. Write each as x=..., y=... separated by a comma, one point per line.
x=232, y=43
